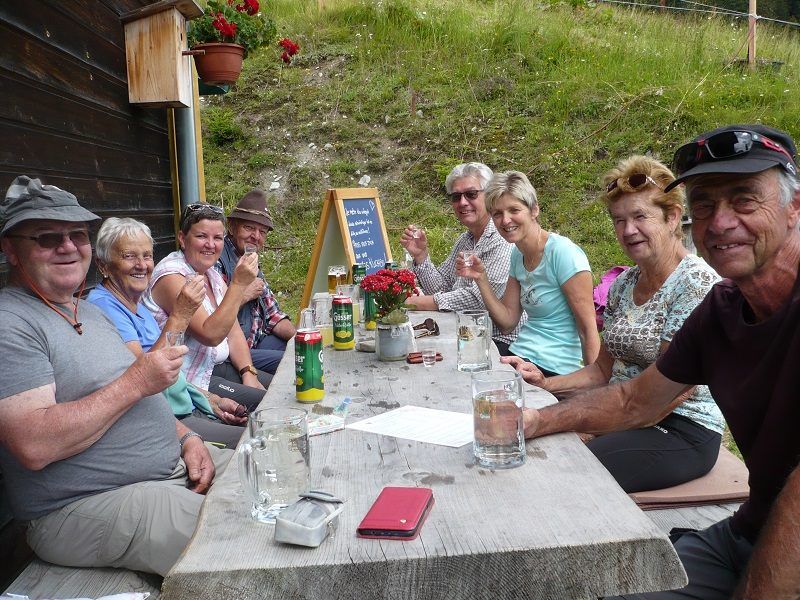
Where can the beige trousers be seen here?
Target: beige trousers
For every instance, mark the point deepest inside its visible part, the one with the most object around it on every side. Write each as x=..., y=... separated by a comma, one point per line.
x=144, y=526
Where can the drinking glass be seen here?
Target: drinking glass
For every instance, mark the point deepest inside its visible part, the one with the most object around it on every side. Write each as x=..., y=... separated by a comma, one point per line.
x=415, y=232
x=474, y=340
x=337, y=275
x=173, y=338
x=352, y=292
x=497, y=404
x=468, y=255
x=275, y=463
x=250, y=249
x=321, y=305
x=428, y=357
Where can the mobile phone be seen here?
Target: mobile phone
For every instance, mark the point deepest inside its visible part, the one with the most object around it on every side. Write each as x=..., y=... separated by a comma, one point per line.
x=397, y=514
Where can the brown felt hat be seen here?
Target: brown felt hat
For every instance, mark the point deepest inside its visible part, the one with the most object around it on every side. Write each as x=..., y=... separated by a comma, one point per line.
x=253, y=207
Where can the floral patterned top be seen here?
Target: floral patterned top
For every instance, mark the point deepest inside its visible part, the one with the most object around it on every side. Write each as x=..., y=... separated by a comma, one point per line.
x=633, y=333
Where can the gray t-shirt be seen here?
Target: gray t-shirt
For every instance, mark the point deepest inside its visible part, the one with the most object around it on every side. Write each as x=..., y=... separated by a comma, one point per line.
x=38, y=348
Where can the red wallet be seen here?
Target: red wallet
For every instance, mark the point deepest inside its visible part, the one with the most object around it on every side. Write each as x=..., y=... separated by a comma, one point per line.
x=397, y=514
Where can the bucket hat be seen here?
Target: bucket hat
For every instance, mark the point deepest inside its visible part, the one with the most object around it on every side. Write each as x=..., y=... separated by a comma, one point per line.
x=253, y=207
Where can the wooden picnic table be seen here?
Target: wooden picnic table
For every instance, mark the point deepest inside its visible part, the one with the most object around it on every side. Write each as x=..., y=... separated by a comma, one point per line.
x=557, y=527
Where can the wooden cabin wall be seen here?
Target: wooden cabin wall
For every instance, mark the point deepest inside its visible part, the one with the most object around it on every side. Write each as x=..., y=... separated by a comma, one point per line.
x=65, y=116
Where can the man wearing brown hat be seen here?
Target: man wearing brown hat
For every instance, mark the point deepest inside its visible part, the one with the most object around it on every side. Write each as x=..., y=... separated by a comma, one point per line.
x=97, y=464
x=743, y=341
x=264, y=325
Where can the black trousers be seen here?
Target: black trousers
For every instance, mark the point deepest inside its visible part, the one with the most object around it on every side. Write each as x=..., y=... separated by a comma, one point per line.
x=674, y=451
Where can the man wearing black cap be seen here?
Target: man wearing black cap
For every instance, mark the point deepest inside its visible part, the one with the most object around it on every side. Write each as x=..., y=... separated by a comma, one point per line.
x=264, y=325
x=97, y=464
x=743, y=341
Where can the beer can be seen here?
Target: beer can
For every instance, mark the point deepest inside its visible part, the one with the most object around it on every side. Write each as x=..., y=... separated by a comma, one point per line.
x=309, y=377
x=343, y=338
x=370, y=311
x=359, y=272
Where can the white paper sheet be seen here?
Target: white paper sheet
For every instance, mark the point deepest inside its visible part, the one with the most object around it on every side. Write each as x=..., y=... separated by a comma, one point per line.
x=422, y=425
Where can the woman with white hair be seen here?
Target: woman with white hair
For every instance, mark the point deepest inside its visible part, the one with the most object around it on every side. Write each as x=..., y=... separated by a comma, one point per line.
x=125, y=261
x=549, y=279
x=443, y=290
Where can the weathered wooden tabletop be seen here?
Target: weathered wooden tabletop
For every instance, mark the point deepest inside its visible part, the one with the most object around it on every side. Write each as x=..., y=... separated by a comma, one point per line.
x=557, y=527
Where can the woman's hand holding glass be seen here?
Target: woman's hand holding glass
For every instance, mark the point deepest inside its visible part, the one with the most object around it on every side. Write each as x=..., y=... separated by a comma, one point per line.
x=246, y=270
x=470, y=266
x=190, y=297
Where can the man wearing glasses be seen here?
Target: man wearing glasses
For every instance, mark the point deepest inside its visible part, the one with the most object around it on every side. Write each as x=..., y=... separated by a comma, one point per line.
x=96, y=462
x=743, y=341
x=265, y=326
x=443, y=289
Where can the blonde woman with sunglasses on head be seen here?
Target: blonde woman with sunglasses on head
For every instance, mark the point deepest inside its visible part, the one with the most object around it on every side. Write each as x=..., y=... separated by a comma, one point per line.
x=647, y=304
x=549, y=280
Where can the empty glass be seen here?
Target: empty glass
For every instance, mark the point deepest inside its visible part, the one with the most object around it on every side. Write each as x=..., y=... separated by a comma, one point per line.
x=428, y=357
x=354, y=293
x=474, y=340
x=497, y=403
x=321, y=305
x=173, y=338
x=275, y=463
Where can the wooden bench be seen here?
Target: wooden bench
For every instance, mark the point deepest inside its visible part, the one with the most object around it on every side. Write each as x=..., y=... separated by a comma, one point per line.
x=45, y=580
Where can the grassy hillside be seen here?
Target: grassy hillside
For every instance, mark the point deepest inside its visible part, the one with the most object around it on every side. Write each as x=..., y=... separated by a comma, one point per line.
x=402, y=90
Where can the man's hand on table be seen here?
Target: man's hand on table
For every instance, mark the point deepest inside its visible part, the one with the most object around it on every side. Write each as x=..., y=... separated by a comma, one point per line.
x=199, y=466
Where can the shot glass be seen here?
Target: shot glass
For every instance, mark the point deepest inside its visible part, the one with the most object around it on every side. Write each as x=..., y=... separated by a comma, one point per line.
x=415, y=232
x=468, y=256
x=174, y=338
x=428, y=357
x=250, y=249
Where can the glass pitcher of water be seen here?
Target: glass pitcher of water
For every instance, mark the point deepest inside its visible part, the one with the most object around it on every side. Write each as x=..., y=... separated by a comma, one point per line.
x=474, y=340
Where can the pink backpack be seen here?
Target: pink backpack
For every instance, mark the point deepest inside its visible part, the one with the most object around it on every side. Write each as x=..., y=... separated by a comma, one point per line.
x=600, y=293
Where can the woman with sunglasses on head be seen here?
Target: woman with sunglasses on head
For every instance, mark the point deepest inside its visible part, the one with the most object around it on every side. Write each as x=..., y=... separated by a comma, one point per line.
x=125, y=261
x=213, y=332
x=443, y=290
x=647, y=304
x=549, y=280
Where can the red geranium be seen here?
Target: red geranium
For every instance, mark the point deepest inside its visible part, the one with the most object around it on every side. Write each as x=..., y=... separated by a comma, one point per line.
x=390, y=289
x=290, y=48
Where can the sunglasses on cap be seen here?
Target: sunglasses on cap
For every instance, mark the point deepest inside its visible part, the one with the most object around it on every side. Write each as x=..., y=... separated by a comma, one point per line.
x=635, y=182
x=53, y=239
x=719, y=146
x=470, y=194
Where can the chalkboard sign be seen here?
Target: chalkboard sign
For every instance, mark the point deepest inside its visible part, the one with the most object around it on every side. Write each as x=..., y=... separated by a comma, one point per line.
x=351, y=230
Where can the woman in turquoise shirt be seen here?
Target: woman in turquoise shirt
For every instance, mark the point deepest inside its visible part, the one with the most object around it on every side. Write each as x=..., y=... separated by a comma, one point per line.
x=550, y=279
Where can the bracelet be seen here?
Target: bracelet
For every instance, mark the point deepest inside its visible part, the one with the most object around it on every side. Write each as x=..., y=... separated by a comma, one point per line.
x=186, y=436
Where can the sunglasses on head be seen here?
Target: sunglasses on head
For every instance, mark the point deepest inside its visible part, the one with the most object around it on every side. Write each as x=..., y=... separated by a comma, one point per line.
x=191, y=208
x=53, y=239
x=470, y=194
x=719, y=146
x=635, y=181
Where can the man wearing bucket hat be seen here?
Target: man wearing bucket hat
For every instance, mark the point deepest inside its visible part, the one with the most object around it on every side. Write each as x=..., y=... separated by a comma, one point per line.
x=264, y=325
x=96, y=463
x=743, y=341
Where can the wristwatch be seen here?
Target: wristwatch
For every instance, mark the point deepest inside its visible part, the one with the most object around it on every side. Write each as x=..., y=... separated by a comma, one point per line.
x=248, y=368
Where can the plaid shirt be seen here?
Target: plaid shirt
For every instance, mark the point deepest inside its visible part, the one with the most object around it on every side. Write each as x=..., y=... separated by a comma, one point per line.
x=258, y=316
x=451, y=292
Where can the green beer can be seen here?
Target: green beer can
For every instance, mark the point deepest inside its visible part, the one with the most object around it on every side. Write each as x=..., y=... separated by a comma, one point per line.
x=343, y=338
x=359, y=272
x=309, y=381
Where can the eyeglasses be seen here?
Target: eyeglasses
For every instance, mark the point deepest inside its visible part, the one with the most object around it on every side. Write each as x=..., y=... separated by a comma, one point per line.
x=635, y=182
x=722, y=145
x=53, y=239
x=470, y=194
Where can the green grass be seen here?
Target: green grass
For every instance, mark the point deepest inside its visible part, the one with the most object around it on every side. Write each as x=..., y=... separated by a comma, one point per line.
x=561, y=92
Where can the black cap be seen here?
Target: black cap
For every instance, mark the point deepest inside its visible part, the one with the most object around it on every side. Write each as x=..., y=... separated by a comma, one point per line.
x=761, y=156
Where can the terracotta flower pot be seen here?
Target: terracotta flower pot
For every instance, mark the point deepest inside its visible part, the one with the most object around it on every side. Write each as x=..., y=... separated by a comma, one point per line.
x=220, y=64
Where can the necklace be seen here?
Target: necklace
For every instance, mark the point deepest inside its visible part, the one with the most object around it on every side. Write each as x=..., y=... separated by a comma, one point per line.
x=537, y=259
x=76, y=325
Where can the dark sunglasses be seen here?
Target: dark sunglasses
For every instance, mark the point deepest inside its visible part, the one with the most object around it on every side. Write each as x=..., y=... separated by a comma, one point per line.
x=53, y=239
x=191, y=208
x=726, y=144
x=470, y=194
x=635, y=181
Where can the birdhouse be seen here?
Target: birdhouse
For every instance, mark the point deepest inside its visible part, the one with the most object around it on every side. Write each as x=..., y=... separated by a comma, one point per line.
x=159, y=75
